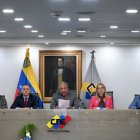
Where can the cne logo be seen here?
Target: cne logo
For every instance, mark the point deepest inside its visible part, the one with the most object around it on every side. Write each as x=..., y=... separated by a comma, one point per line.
x=58, y=121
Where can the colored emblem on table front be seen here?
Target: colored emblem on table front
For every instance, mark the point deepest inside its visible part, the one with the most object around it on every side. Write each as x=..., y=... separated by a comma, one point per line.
x=58, y=121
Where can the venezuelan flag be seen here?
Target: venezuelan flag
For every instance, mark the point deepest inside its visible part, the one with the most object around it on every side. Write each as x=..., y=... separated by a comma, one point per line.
x=27, y=76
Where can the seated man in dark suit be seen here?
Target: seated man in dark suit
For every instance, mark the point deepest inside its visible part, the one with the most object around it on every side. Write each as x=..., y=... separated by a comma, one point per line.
x=64, y=99
x=26, y=99
x=135, y=103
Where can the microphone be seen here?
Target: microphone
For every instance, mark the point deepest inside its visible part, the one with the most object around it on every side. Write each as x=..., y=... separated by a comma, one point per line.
x=82, y=104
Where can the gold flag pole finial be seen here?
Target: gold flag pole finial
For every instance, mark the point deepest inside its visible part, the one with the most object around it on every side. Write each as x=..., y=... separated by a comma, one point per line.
x=27, y=53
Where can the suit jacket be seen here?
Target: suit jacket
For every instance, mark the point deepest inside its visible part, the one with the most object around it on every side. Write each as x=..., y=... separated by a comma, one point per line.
x=94, y=101
x=135, y=103
x=70, y=96
x=19, y=102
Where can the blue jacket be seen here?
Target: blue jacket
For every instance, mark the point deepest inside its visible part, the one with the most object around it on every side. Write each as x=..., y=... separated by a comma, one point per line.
x=136, y=103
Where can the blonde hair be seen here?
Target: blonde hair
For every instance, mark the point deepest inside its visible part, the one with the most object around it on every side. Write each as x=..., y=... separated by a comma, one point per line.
x=97, y=88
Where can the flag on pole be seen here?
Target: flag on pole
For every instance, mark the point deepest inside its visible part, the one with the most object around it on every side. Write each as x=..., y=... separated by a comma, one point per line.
x=27, y=76
x=92, y=78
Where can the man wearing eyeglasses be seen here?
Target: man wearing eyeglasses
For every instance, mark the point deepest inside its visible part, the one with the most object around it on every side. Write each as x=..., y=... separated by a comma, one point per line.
x=25, y=99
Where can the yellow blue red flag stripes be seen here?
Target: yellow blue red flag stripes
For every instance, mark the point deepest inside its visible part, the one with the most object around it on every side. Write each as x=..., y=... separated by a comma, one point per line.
x=27, y=76
x=92, y=78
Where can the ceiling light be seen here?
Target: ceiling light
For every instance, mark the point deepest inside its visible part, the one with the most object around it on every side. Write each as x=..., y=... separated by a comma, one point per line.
x=81, y=31
x=135, y=31
x=34, y=31
x=2, y=31
x=8, y=11
x=67, y=31
x=114, y=27
x=40, y=36
x=63, y=33
x=46, y=43
x=64, y=19
x=27, y=26
x=84, y=19
x=131, y=11
x=111, y=43
x=19, y=19
x=102, y=36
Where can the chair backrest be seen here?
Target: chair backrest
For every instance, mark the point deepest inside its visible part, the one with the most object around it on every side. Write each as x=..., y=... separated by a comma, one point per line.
x=3, y=102
x=110, y=93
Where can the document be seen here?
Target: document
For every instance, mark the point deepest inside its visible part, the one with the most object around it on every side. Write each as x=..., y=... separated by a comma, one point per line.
x=63, y=103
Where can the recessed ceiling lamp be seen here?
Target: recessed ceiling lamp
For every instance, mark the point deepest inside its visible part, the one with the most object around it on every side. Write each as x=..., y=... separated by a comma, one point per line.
x=40, y=36
x=135, y=31
x=34, y=31
x=66, y=31
x=84, y=19
x=63, y=33
x=131, y=11
x=112, y=43
x=114, y=27
x=102, y=36
x=63, y=19
x=46, y=43
x=8, y=11
x=2, y=31
x=27, y=26
x=19, y=19
x=81, y=31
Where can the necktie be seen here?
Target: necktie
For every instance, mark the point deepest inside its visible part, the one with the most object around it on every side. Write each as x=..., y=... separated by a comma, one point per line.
x=25, y=102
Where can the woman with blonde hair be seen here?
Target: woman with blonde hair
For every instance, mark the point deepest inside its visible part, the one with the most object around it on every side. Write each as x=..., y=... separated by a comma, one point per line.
x=101, y=100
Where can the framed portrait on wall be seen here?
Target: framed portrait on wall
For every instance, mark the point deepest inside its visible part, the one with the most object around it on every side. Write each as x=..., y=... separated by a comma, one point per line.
x=57, y=66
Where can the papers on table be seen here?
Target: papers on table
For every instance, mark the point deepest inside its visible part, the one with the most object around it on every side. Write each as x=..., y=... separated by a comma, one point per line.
x=63, y=103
